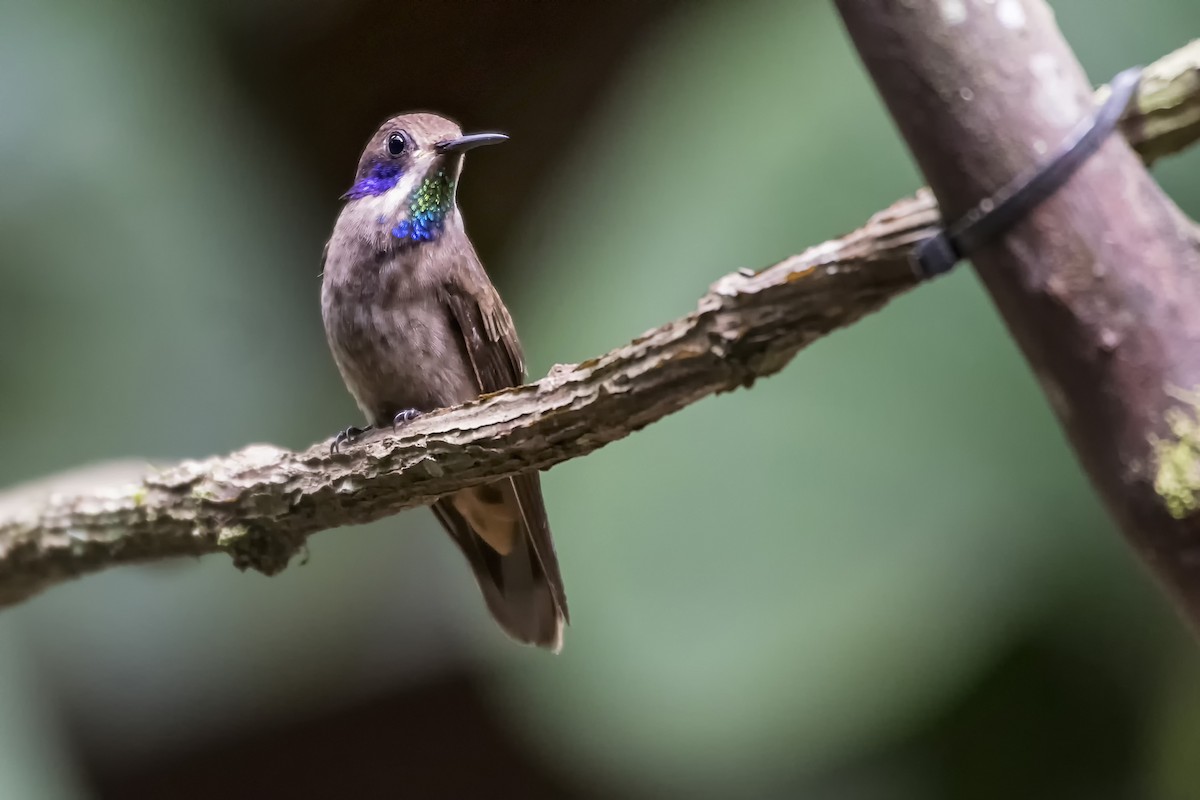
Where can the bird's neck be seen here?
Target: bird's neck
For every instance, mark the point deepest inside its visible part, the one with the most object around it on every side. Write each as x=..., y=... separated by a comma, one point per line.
x=419, y=205
x=422, y=215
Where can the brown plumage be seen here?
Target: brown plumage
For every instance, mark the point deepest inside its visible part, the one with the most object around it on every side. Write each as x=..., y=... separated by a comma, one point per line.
x=415, y=324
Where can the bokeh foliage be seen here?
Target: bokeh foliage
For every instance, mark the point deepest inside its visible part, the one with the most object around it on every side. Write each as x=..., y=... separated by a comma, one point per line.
x=805, y=586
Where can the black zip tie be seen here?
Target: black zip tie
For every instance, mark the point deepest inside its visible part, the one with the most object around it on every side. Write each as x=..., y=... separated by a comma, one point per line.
x=995, y=215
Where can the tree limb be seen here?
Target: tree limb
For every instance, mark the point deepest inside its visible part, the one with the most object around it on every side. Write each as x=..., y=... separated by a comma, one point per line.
x=1099, y=285
x=261, y=503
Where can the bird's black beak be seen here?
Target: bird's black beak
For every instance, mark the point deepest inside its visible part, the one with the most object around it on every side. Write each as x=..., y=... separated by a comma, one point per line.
x=465, y=143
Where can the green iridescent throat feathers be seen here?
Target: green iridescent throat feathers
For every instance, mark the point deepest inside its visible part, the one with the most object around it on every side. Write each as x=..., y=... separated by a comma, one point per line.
x=428, y=206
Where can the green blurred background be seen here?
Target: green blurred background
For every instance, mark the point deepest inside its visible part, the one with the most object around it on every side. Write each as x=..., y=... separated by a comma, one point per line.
x=879, y=574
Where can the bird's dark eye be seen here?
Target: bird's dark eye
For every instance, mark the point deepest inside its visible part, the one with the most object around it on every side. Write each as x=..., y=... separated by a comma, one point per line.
x=397, y=144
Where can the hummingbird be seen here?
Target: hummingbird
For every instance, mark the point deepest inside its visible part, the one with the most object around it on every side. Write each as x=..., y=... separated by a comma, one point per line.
x=415, y=324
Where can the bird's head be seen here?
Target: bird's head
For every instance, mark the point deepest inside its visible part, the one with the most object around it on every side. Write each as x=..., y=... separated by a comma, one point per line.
x=411, y=166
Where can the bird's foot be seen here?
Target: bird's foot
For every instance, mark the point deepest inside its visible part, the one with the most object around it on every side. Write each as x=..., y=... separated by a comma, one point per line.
x=407, y=415
x=348, y=436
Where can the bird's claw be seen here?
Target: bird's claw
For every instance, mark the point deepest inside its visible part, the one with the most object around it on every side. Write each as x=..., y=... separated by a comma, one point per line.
x=353, y=434
x=407, y=415
x=348, y=436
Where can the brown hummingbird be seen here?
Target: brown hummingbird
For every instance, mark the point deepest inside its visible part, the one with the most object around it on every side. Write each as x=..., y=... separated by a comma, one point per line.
x=415, y=324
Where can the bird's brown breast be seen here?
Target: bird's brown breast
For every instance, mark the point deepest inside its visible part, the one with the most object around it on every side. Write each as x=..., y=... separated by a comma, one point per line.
x=394, y=342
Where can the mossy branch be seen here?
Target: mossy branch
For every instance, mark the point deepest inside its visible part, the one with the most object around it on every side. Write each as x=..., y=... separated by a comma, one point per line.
x=261, y=503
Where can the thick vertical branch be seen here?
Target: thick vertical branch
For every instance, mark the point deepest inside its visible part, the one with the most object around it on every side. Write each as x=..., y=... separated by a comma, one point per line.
x=1100, y=285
